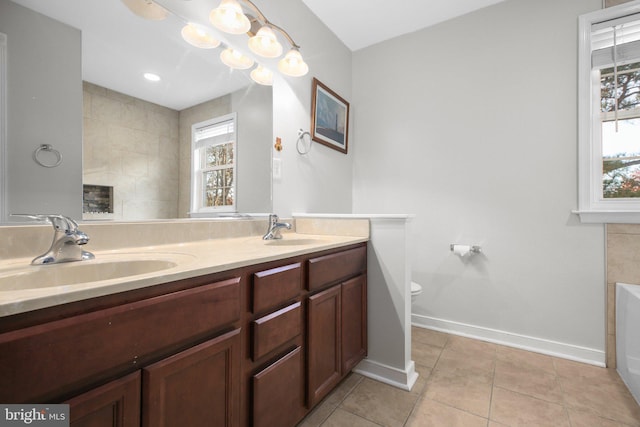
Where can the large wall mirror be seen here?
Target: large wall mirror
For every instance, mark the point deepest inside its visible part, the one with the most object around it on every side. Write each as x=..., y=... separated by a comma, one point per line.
x=131, y=135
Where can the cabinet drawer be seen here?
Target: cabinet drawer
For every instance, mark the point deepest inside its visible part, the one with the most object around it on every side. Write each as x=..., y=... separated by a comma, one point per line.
x=275, y=329
x=276, y=286
x=278, y=392
x=335, y=267
x=88, y=348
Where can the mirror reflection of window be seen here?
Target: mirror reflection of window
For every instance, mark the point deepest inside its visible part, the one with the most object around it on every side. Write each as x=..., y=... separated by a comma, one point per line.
x=214, y=166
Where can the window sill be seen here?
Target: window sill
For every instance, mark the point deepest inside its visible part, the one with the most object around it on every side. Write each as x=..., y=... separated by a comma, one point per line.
x=609, y=217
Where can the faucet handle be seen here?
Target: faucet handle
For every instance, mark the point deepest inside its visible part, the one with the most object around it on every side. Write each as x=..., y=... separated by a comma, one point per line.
x=59, y=222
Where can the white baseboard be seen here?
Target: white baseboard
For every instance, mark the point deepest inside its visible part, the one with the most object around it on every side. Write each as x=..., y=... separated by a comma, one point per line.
x=538, y=345
x=387, y=374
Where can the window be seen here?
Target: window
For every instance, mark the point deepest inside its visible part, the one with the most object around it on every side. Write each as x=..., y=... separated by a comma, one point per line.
x=609, y=115
x=213, y=180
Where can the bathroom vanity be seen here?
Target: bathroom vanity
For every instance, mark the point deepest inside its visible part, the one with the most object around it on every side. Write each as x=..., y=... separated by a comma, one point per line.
x=257, y=344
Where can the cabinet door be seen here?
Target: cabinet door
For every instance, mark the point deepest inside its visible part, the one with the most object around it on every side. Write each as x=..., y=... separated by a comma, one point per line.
x=116, y=404
x=278, y=392
x=197, y=387
x=354, y=322
x=324, y=343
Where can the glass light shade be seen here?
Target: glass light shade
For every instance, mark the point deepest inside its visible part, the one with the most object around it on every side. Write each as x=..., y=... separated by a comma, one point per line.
x=146, y=9
x=234, y=59
x=262, y=76
x=228, y=17
x=265, y=43
x=199, y=36
x=292, y=64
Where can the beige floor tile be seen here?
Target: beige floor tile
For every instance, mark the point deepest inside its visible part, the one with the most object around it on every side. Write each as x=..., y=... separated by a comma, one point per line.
x=478, y=365
x=381, y=403
x=594, y=374
x=342, y=418
x=344, y=388
x=425, y=354
x=532, y=382
x=583, y=419
x=328, y=405
x=608, y=400
x=525, y=359
x=471, y=346
x=429, y=413
x=516, y=409
x=428, y=336
x=318, y=415
x=468, y=382
x=471, y=393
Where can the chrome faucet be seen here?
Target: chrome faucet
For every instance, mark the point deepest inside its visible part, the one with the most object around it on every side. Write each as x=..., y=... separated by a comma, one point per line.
x=274, y=228
x=67, y=240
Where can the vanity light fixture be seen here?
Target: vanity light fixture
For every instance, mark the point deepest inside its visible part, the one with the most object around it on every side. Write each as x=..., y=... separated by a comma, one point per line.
x=229, y=17
x=147, y=9
x=235, y=59
x=262, y=75
x=226, y=17
x=199, y=36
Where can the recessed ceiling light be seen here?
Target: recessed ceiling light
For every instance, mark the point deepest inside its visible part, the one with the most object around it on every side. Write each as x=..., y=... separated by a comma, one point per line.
x=152, y=77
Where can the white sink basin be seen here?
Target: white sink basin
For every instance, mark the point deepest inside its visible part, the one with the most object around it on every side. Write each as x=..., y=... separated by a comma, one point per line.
x=104, y=267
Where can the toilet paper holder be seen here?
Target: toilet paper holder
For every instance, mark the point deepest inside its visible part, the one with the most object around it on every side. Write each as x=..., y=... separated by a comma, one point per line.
x=475, y=249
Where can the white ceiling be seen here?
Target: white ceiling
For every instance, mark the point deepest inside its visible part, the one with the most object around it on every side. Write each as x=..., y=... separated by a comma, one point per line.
x=118, y=46
x=361, y=23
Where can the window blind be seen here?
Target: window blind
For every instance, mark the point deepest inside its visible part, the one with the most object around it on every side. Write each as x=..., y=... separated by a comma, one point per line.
x=215, y=134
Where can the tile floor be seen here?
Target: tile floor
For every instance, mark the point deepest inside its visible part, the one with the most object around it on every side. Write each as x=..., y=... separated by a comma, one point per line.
x=467, y=383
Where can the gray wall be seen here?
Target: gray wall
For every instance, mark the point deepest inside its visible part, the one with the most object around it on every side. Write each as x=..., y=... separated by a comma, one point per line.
x=321, y=181
x=255, y=131
x=476, y=135
x=41, y=51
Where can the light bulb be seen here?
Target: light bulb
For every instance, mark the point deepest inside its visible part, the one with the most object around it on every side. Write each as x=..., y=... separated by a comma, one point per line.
x=228, y=17
x=292, y=64
x=234, y=59
x=265, y=43
x=262, y=76
x=199, y=36
x=146, y=9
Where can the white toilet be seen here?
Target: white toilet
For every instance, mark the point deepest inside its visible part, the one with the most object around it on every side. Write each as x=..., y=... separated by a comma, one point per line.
x=416, y=290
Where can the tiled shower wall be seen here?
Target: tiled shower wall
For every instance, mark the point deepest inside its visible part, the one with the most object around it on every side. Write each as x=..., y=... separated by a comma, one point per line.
x=131, y=145
x=623, y=265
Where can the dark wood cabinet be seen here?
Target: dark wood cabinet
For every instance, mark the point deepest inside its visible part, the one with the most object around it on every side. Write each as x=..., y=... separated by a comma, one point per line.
x=336, y=319
x=254, y=346
x=323, y=328
x=115, y=404
x=278, y=395
x=354, y=322
x=196, y=387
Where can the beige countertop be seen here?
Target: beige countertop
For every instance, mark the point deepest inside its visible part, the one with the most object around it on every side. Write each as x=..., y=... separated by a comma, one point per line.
x=190, y=259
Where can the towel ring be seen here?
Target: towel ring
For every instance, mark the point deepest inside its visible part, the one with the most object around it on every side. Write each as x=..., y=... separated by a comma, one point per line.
x=49, y=148
x=301, y=135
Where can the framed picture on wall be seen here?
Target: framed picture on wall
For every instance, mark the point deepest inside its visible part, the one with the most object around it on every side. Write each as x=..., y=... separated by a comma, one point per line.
x=329, y=118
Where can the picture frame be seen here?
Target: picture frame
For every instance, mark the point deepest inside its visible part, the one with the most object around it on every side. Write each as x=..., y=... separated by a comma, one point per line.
x=329, y=118
x=611, y=3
